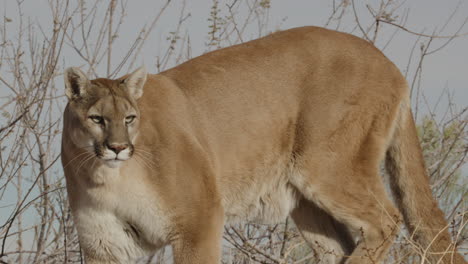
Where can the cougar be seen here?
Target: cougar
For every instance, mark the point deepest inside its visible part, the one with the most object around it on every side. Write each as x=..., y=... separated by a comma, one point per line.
x=292, y=124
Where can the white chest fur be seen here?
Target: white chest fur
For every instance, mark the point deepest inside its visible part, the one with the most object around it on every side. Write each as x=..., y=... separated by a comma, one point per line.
x=119, y=214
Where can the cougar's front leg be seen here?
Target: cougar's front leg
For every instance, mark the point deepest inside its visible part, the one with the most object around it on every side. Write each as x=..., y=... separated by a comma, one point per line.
x=199, y=242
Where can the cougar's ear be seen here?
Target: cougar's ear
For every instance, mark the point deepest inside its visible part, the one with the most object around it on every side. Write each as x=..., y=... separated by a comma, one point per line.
x=76, y=83
x=134, y=82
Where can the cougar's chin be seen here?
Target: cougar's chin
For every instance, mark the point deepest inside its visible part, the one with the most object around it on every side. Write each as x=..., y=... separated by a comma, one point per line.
x=114, y=163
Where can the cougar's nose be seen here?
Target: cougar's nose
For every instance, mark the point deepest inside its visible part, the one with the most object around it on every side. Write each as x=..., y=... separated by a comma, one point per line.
x=117, y=147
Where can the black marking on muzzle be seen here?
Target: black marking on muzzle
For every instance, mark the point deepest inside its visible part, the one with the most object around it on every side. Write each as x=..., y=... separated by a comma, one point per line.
x=97, y=149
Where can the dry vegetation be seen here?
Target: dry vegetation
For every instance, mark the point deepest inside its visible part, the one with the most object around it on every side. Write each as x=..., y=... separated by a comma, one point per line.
x=35, y=221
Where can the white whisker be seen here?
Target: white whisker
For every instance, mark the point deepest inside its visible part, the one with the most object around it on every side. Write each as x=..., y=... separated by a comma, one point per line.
x=146, y=156
x=145, y=162
x=138, y=162
x=86, y=159
x=77, y=156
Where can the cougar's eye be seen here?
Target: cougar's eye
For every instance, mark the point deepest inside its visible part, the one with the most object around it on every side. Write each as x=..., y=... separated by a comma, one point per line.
x=130, y=119
x=97, y=119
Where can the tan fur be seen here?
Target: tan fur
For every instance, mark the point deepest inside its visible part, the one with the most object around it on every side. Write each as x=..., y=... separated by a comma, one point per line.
x=293, y=123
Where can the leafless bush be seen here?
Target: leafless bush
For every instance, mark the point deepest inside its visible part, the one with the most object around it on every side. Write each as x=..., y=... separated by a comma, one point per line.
x=35, y=221
x=35, y=224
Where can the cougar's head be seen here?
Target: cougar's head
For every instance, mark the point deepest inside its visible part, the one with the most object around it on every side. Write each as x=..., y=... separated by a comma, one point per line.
x=105, y=114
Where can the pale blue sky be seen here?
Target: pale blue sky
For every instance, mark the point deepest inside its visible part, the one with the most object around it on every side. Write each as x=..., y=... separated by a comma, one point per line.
x=447, y=68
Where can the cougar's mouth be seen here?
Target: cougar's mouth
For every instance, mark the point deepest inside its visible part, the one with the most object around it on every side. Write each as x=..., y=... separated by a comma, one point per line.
x=114, y=162
x=111, y=158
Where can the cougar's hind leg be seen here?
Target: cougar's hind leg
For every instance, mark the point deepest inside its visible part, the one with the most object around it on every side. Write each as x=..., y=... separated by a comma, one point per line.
x=337, y=167
x=358, y=200
x=328, y=238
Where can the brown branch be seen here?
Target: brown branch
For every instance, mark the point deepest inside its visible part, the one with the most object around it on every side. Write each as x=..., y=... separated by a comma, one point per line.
x=12, y=123
x=421, y=34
